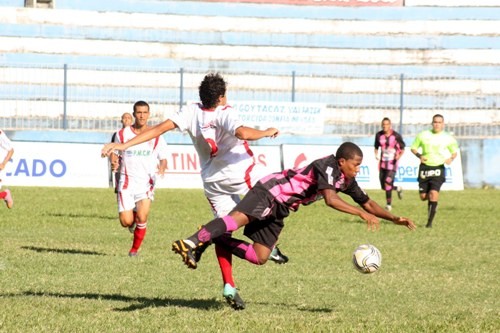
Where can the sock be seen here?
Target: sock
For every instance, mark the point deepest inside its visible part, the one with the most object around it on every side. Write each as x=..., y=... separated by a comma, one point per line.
x=3, y=195
x=431, y=211
x=225, y=259
x=388, y=196
x=239, y=248
x=214, y=229
x=139, y=233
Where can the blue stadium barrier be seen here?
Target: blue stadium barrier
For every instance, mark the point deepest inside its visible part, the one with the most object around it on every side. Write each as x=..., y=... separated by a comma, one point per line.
x=150, y=64
x=251, y=38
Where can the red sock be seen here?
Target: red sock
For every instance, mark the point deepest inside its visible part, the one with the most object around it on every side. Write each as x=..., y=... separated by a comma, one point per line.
x=3, y=195
x=139, y=233
x=225, y=259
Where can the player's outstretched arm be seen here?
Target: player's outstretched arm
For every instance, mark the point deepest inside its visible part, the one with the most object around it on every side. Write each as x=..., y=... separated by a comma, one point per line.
x=375, y=209
x=333, y=200
x=147, y=135
x=251, y=134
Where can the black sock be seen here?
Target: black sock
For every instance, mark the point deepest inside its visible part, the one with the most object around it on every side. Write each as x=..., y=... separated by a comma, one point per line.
x=388, y=197
x=209, y=231
x=431, y=211
x=235, y=246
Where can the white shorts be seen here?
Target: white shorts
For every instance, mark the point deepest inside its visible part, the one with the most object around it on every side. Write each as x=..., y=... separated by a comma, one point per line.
x=127, y=198
x=223, y=195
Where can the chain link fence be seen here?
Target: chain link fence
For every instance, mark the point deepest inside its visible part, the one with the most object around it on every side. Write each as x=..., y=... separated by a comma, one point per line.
x=80, y=98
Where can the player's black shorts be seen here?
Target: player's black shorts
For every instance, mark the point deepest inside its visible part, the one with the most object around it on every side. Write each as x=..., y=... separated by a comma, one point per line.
x=430, y=178
x=269, y=215
x=386, y=177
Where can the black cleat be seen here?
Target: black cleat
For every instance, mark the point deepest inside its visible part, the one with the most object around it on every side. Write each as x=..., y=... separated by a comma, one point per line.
x=277, y=256
x=232, y=297
x=186, y=252
x=199, y=251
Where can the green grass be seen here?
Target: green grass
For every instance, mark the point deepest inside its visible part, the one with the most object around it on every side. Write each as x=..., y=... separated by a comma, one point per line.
x=64, y=268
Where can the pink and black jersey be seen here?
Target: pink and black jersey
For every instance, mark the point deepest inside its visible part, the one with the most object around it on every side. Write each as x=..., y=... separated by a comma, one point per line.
x=295, y=187
x=391, y=145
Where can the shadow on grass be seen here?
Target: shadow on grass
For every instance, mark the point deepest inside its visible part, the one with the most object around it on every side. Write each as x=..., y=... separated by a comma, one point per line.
x=65, y=251
x=139, y=303
x=82, y=215
x=299, y=307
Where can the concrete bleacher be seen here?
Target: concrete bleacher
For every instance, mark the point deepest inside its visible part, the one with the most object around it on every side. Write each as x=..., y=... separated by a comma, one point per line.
x=348, y=58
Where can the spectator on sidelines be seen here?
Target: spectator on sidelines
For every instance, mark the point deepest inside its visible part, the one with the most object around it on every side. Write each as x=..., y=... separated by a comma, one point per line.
x=392, y=148
x=228, y=166
x=434, y=148
x=114, y=160
x=6, y=152
x=139, y=166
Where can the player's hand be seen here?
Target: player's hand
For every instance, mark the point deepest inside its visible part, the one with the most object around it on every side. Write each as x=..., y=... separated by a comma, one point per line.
x=448, y=161
x=372, y=222
x=272, y=132
x=2, y=166
x=405, y=221
x=161, y=171
x=108, y=149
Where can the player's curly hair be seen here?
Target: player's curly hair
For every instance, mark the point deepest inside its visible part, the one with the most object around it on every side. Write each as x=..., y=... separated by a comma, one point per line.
x=211, y=88
x=348, y=150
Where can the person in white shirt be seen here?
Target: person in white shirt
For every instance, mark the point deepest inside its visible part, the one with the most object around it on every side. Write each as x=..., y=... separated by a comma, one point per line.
x=228, y=166
x=114, y=160
x=6, y=152
x=138, y=168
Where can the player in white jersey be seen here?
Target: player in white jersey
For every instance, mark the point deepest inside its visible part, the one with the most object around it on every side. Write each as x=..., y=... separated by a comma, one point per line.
x=228, y=166
x=138, y=168
x=6, y=152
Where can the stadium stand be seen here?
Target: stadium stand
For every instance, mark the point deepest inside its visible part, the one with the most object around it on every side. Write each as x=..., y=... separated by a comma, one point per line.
x=106, y=54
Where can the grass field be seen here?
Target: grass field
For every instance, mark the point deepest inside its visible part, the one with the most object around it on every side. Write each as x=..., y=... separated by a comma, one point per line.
x=64, y=268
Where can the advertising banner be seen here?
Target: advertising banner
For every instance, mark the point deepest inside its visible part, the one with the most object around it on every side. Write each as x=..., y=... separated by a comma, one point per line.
x=406, y=176
x=80, y=165
x=344, y=3
x=56, y=164
x=184, y=166
x=295, y=118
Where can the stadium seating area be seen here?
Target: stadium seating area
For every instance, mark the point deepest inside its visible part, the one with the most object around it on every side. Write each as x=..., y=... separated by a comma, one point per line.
x=351, y=59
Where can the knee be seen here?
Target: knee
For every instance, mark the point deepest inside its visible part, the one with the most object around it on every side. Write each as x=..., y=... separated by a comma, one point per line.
x=263, y=260
x=126, y=222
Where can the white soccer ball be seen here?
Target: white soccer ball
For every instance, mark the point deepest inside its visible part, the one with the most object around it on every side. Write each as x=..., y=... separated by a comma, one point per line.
x=367, y=258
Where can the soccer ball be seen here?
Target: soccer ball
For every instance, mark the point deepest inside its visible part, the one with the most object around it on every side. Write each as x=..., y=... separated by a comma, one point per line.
x=367, y=258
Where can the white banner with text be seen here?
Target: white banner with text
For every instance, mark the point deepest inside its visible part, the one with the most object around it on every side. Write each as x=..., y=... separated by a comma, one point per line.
x=80, y=165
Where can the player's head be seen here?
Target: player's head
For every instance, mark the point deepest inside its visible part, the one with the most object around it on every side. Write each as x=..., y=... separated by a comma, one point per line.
x=386, y=125
x=126, y=119
x=437, y=123
x=349, y=156
x=141, y=113
x=212, y=91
